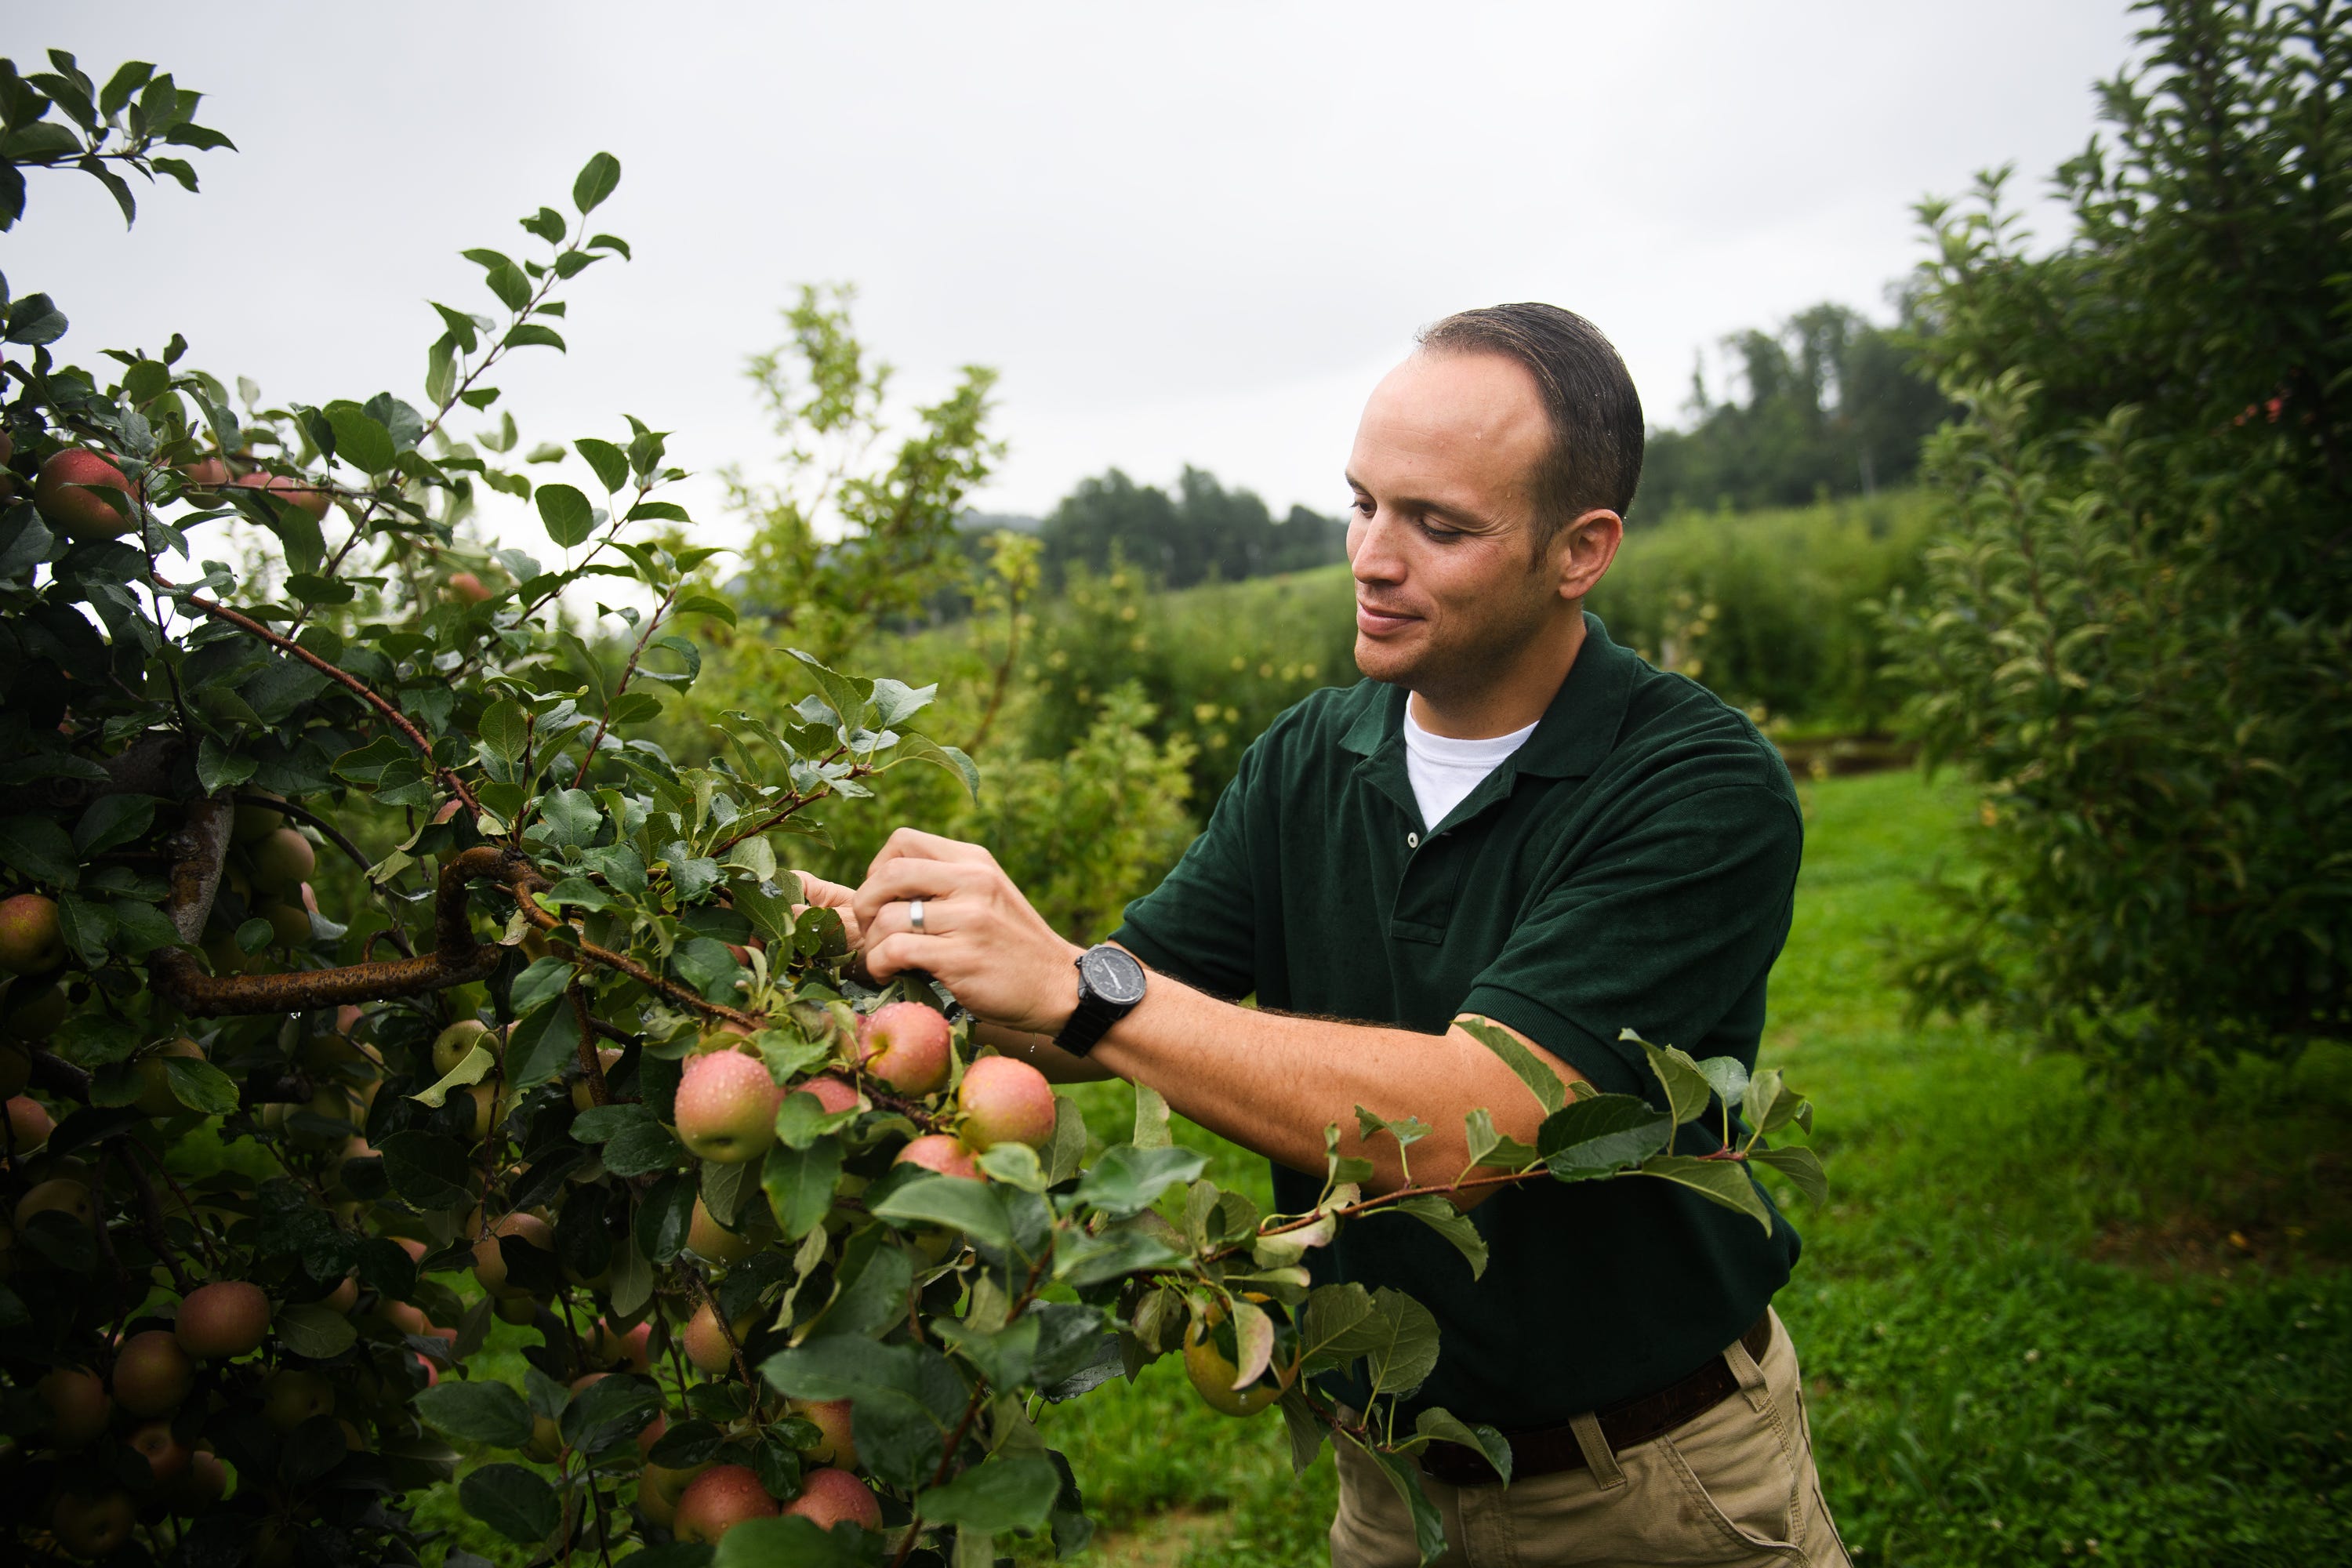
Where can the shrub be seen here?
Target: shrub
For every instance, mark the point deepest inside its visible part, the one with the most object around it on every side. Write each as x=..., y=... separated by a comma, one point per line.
x=2136, y=631
x=1772, y=611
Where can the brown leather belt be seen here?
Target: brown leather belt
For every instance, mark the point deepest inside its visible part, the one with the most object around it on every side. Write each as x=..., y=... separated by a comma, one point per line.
x=1546, y=1451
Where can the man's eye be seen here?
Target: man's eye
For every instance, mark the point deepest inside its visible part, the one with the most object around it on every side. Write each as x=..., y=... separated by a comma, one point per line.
x=1440, y=532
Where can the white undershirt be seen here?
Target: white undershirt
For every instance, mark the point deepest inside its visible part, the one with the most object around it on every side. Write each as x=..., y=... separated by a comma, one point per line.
x=1444, y=771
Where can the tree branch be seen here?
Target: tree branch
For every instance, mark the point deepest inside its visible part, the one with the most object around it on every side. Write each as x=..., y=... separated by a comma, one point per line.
x=399, y=720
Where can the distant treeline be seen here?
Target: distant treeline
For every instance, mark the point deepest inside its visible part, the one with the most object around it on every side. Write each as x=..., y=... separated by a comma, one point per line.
x=1202, y=532
x=1830, y=406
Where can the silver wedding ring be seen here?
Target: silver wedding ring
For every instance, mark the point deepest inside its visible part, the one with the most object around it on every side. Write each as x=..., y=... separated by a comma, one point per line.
x=915, y=916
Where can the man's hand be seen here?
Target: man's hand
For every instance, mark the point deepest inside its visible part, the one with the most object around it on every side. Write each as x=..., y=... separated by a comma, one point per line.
x=979, y=937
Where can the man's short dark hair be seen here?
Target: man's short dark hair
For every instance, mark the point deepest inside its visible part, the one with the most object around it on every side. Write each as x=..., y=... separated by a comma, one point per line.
x=1596, y=416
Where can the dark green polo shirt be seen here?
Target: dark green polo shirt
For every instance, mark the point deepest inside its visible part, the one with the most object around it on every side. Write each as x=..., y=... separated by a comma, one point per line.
x=1633, y=865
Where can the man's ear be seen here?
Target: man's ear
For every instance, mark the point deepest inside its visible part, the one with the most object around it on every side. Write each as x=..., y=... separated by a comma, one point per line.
x=1585, y=549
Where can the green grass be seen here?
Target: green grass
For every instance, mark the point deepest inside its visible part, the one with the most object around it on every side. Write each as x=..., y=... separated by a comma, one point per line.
x=2035, y=1315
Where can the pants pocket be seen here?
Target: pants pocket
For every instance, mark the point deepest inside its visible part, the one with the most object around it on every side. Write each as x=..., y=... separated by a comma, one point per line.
x=1739, y=1480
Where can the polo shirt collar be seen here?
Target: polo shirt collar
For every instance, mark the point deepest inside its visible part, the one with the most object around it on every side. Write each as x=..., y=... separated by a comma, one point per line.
x=1576, y=734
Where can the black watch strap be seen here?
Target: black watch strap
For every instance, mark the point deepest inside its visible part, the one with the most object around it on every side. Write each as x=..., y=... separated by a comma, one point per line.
x=1097, y=1010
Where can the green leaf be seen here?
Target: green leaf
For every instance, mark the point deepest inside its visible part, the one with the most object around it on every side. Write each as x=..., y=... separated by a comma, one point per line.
x=1303, y=1428
x=217, y=768
x=360, y=440
x=1801, y=1165
x=1687, y=1090
x=471, y=1068
x=969, y=1206
x=1443, y=1426
x=706, y=604
x=1402, y=1351
x=995, y=1496
x=1150, y=1118
x=1091, y=1260
x=511, y=1500
x=598, y=179
x=611, y=464
x=923, y=749
x=800, y=1184
x=771, y=1543
x=1128, y=1180
x=1488, y=1147
x=38, y=847
x=641, y=1149
x=111, y=821
x=505, y=729
x=478, y=1410
x=317, y=1332
x=1725, y=1077
x=568, y=817
x=200, y=1086
x=427, y=1171
x=531, y=334
x=1428, y=1524
x=1601, y=1135
x=1724, y=1182
x=1541, y=1080
x=1452, y=1224
x=1016, y=1164
x=566, y=511
x=664, y=1217
x=876, y=1276
x=511, y=284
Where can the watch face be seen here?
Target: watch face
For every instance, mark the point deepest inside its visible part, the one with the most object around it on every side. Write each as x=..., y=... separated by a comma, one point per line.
x=1113, y=974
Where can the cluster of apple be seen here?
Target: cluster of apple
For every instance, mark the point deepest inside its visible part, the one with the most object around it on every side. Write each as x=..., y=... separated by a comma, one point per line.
x=726, y=1108
x=72, y=490
x=726, y=1103
x=268, y=877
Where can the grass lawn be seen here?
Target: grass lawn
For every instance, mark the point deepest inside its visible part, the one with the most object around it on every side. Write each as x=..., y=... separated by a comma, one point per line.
x=2040, y=1322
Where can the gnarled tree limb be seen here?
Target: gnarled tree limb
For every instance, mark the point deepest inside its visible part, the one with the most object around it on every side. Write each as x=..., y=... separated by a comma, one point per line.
x=455, y=959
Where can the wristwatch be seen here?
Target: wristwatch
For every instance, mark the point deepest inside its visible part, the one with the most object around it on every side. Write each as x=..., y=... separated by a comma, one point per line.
x=1111, y=983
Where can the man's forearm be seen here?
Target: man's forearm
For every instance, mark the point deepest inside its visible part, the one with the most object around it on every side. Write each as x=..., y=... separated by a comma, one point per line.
x=1272, y=1082
x=1040, y=1052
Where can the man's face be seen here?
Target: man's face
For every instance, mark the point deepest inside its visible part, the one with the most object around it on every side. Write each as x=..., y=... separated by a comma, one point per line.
x=1440, y=535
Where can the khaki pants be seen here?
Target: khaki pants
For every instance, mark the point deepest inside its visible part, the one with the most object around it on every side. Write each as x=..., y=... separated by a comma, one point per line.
x=1734, y=1486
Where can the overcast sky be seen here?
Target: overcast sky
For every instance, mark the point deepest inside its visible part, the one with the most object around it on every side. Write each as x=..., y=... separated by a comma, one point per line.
x=1190, y=233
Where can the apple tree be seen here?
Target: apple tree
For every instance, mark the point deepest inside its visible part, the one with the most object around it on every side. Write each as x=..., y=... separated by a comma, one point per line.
x=560, y=1047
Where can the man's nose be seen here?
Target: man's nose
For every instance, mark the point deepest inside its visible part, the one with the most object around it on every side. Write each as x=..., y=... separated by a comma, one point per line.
x=1372, y=550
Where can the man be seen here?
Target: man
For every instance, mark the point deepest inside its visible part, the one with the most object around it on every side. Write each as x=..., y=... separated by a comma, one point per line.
x=1512, y=820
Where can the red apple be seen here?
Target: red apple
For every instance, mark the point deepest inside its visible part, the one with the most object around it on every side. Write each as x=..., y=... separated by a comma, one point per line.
x=91, y=1525
x=938, y=1152
x=905, y=1045
x=81, y=513
x=727, y=1107
x=29, y=939
x=78, y=1404
x=153, y=1373
x=204, y=474
x=225, y=1318
x=1005, y=1101
x=489, y=1261
x=832, y=1417
x=627, y=1351
x=291, y=490
x=282, y=862
x=468, y=587
x=715, y=1242
x=831, y=1497
x=164, y=1454
x=705, y=1346
x=832, y=1092
x=718, y=1500
x=290, y=1396
x=29, y=1125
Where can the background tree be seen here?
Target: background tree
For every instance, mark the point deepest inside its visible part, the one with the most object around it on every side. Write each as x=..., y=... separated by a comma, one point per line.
x=1832, y=407
x=2137, y=632
x=1202, y=532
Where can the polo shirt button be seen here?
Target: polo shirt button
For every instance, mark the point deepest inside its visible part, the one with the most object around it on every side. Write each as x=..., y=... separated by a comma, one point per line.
x=1413, y=840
